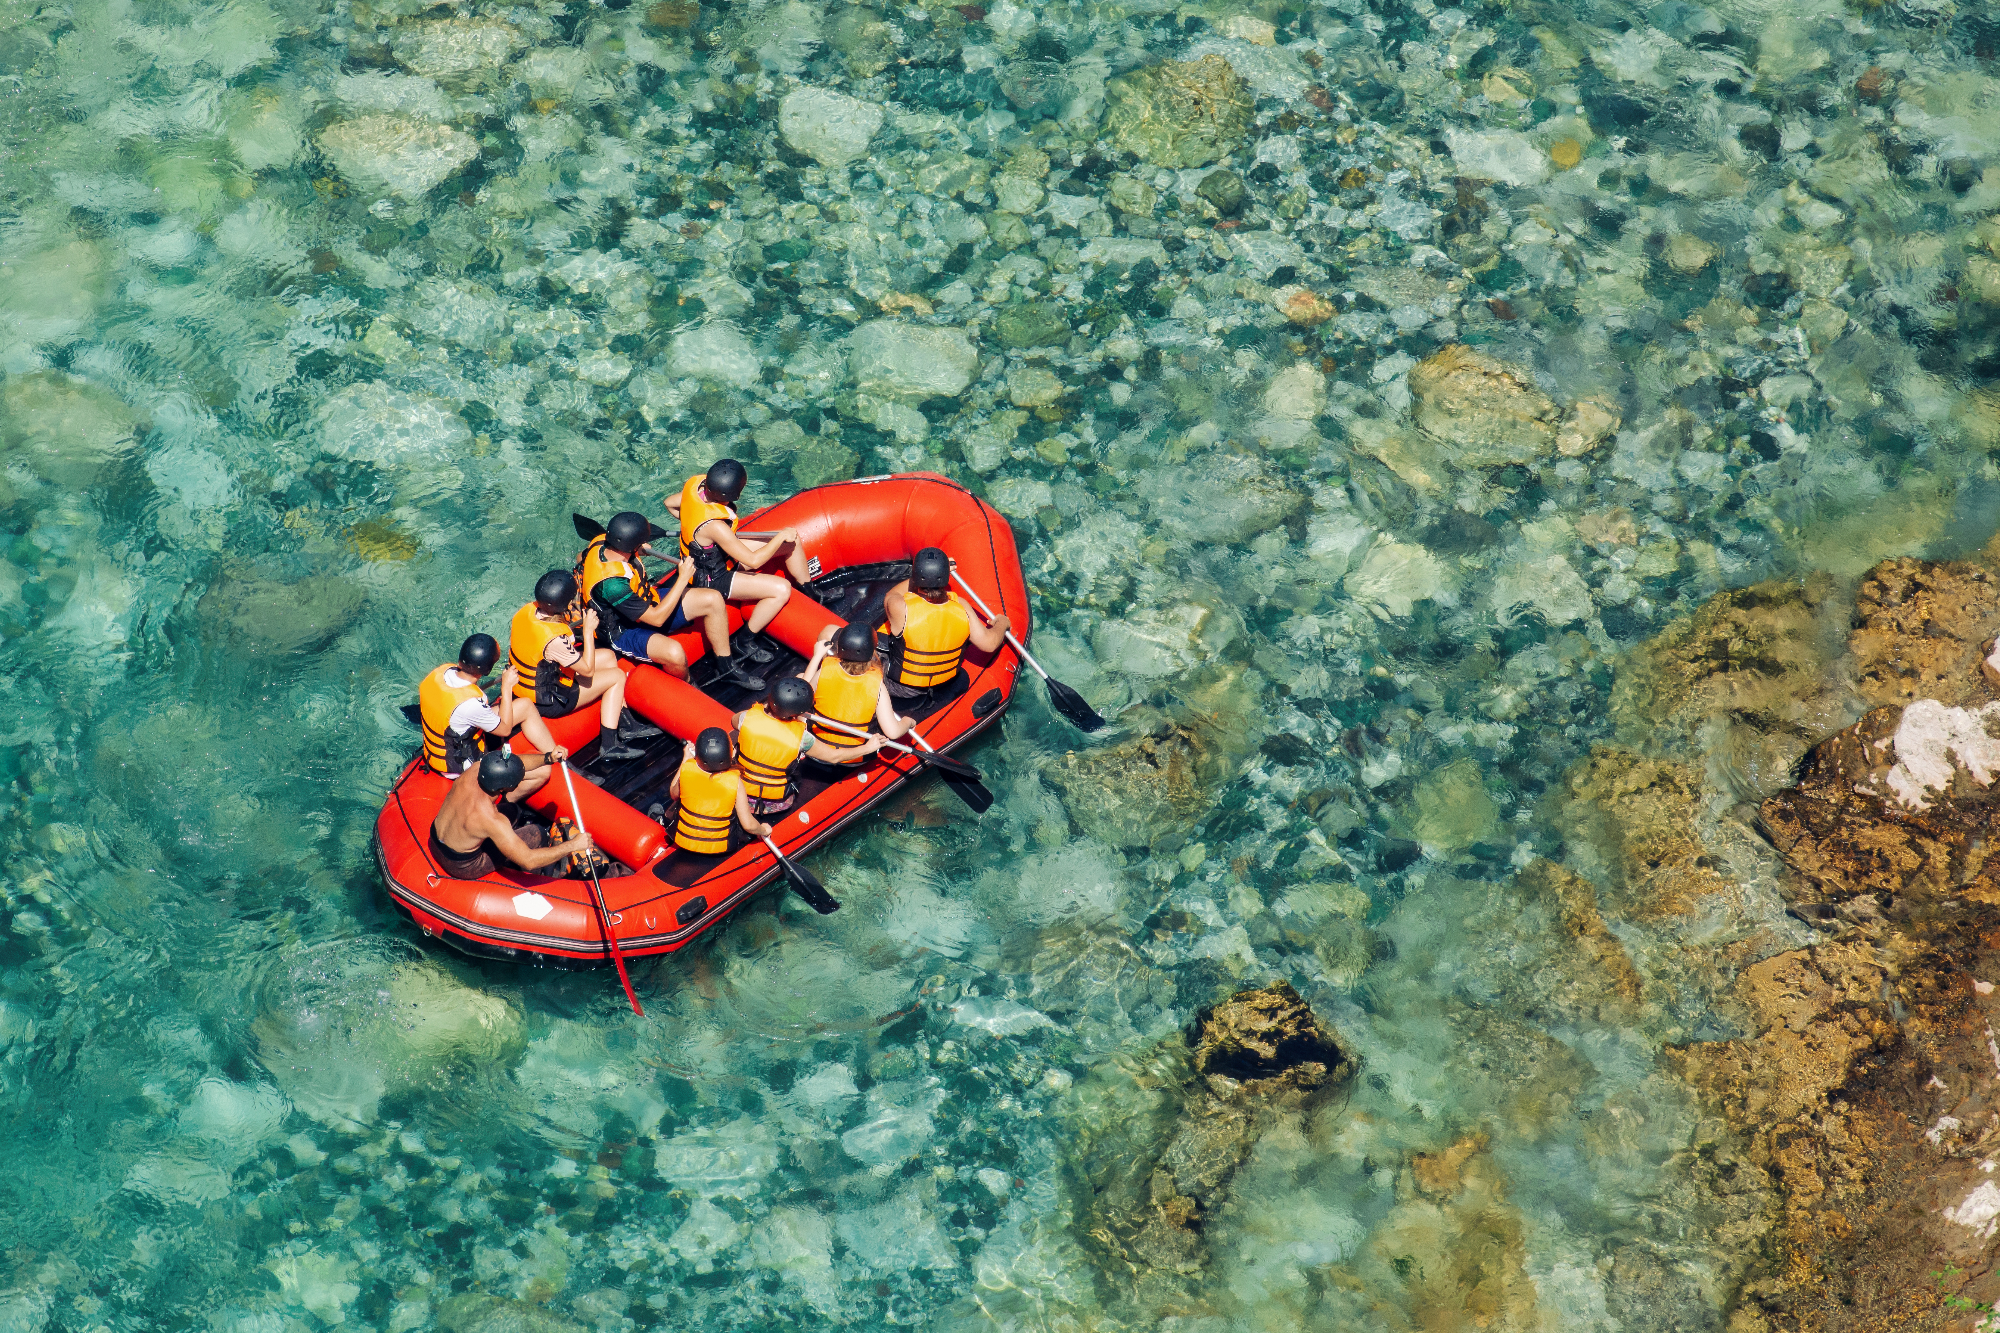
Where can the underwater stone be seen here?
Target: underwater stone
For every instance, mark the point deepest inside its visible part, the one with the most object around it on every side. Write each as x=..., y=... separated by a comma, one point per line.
x=1129, y=194
x=732, y=1160
x=1224, y=189
x=406, y=157
x=1298, y=392
x=1922, y=629
x=717, y=351
x=495, y=1314
x=1491, y=411
x=1268, y=1033
x=65, y=429
x=1031, y=324
x=1034, y=386
x=278, y=617
x=1008, y=231
x=889, y=356
x=829, y=127
x=375, y=423
x=1179, y=113
x=1453, y=808
x=1135, y=791
x=1393, y=576
x=1017, y=194
x=708, y=1232
x=822, y=459
x=455, y=49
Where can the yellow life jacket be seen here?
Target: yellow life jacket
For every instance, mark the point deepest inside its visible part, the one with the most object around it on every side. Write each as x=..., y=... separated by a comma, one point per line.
x=845, y=698
x=708, y=803
x=598, y=564
x=934, y=638
x=696, y=511
x=436, y=701
x=527, y=637
x=766, y=749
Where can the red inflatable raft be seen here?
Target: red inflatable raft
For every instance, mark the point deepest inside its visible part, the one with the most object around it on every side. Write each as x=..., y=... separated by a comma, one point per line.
x=660, y=898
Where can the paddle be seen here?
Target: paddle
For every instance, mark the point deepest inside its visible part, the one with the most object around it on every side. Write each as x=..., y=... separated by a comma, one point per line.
x=943, y=762
x=587, y=528
x=1061, y=697
x=414, y=715
x=804, y=884
x=597, y=890
x=971, y=790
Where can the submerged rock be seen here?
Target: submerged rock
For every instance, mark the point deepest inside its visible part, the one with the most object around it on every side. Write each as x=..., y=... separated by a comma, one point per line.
x=1164, y=1134
x=1921, y=629
x=1179, y=113
x=893, y=357
x=65, y=430
x=395, y=153
x=1490, y=411
x=277, y=616
x=831, y=128
x=495, y=1314
x=1134, y=792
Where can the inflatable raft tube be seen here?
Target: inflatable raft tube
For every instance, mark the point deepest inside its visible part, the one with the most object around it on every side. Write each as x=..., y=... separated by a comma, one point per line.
x=662, y=899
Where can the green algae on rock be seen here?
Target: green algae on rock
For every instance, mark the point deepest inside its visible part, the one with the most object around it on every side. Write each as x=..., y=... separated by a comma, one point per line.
x=1179, y=113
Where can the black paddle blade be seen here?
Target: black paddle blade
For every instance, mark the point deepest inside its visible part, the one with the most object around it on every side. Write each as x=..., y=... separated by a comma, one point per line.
x=809, y=889
x=1071, y=705
x=944, y=763
x=587, y=528
x=970, y=790
x=413, y=715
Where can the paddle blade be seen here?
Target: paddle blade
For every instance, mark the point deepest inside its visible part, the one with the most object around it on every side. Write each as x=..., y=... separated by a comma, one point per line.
x=973, y=792
x=945, y=764
x=1071, y=705
x=809, y=889
x=413, y=715
x=587, y=528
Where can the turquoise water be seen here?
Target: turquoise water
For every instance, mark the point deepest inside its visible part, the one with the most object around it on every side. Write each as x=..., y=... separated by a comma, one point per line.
x=316, y=322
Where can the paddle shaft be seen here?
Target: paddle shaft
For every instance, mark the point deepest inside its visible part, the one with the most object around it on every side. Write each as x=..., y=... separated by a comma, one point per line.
x=1026, y=656
x=597, y=891
x=944, y=763
x=803, y=884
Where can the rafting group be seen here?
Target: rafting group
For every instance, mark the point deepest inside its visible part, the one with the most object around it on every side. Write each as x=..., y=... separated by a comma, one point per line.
x=675, y=733
x=564, y=648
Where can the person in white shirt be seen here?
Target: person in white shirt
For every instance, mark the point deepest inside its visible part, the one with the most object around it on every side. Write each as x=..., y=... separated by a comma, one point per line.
x=460, y=723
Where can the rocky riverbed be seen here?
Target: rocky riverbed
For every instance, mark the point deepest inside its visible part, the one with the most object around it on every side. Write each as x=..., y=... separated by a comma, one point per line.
x=1517, y=477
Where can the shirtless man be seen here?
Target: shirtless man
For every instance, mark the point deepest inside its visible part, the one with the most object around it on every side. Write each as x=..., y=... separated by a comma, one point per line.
x=706, y=507
x=470, y=838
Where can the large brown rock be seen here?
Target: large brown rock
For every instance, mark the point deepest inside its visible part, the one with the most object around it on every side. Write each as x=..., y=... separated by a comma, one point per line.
x=1135, y=791
x=1490, y=411
x=1637, y=822
x=1921, y=628
x=1264, y=1034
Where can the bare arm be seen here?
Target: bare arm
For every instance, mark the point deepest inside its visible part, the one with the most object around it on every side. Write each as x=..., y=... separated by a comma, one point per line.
x=674, y=503
x=893, y=724
x=988, y=638
x=520, y=853
x=741, y=552
x=894, y=614
x=811, y=673
x=660, y=614
x=505, y=706
x=754, y=826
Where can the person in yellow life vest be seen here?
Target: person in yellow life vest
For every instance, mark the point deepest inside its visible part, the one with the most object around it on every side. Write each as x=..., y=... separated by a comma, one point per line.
x=460, y=723
x=770, y=738
x=710, y=792
x=559, y=675
x=850, y=690
x=706, y=508
x=928, y=632
x=637, y=615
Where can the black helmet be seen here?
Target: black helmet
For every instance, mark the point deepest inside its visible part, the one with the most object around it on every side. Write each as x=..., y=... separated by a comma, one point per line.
x=555, y=590
x=500, y=770
x=854, y=643
x=627, y=532
x=791, y=697
x=479, y=653
x=725, y=480
x=931, y=570
x=711, y=749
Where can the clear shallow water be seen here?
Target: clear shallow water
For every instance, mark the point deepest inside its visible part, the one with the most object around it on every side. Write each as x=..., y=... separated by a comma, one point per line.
x=317, y=322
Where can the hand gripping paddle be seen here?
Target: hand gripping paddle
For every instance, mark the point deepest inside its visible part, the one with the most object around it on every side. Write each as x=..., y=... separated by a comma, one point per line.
x=962, y=777
x=1061, y=697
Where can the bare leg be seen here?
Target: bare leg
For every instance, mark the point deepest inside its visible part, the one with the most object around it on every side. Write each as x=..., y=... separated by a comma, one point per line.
x=707, y=606
x=669, y=656
x=607, y=685
x=767, y=590
x=796, y=563
x=537, y=731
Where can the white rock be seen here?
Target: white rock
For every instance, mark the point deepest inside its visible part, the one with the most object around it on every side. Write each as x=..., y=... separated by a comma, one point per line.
x=732, y=1160
x=893, y=1136
x=708, y=1231
x=716, y=351
x=798, y=1244
x=1395, y=575
x=605, y=369
x=374, y=423
x=828, y=1085
x=1498, y=155
x=888, y=356
x=1297, y=392
x=405, y=156
x=829, y=127
x=318, y=1283
x=1034, y=386
x=1933, y=741
x=452, y=48
x=1154, y=641
x=1549, y=585
x=1017, y=194
x=1002, y=1018
x=1019, y=497
x=1979, y=1210
x=898, y=1235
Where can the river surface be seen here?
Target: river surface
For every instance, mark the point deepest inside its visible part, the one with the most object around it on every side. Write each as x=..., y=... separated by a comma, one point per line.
x=1363, y=381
